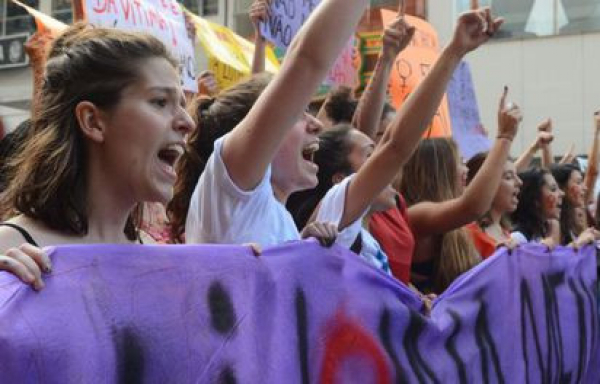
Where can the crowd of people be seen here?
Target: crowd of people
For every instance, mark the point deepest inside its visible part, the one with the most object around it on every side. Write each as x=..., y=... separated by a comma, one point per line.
x=116, y=152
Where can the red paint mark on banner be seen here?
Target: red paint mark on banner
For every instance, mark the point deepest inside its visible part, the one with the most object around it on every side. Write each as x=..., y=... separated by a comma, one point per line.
x=347, y=339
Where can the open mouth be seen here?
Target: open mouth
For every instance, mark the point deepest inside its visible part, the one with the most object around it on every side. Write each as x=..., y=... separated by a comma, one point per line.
x=308, y=152
x=170, y=154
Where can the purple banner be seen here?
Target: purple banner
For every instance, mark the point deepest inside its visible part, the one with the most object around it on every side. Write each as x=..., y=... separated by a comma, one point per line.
x=464, y=113
x=297, y=314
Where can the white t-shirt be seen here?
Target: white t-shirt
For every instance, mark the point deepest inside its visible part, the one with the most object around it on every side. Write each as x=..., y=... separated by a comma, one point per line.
x=518, y=237
x=221, y=212
x=332, y=209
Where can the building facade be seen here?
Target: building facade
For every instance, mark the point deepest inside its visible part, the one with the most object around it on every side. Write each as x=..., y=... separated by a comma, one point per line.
x=548, y=55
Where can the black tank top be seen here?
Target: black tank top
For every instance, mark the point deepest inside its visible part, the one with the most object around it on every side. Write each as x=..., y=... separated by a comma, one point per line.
x=28, y=238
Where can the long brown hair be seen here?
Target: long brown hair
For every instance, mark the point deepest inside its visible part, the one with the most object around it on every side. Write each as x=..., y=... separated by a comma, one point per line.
x=49, y=175
x=214, y=117
x=431, y=175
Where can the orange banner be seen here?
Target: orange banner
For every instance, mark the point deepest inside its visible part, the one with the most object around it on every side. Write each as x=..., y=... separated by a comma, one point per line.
x=412, y=65
x=39, y=43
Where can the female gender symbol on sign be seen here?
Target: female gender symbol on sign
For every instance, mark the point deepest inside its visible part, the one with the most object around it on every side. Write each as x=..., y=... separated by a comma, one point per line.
x=404, y=70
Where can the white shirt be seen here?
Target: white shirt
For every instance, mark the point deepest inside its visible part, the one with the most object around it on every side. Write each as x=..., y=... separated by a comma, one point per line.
x=332, y=209
x=221, y=212
x=518, y=237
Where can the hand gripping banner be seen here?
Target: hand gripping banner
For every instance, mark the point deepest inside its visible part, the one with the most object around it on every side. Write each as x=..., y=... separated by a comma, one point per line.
x=299, y=313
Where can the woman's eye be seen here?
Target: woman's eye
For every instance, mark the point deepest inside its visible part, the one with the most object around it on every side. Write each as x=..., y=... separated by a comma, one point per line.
x=160, y=102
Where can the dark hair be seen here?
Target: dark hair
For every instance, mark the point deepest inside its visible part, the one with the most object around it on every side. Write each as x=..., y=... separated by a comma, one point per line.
x=568, y=223
x=9, y=147
x=597, y=218
x=48, y=177
x=474, y=165
x=528, y=218
x=214, y=118
x=332, y=158
x=387, y=109
x=341, y=105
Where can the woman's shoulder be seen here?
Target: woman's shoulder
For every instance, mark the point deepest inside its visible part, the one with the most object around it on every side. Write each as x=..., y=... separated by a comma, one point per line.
x=15, y=232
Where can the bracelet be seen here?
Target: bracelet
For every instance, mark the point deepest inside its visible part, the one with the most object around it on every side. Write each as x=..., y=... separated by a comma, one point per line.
x=507, y=137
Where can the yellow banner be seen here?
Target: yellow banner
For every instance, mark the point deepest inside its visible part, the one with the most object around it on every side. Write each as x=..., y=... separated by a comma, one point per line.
x=229, y=55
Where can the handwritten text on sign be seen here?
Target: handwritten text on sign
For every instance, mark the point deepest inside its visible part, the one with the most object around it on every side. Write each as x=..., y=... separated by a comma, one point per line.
x=161, y=18
x=345, y=68
x=298, y=314
x=286, y=18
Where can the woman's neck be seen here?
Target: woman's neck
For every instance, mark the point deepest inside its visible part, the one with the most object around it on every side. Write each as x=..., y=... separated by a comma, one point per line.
x=108, y=209
x=495, y=229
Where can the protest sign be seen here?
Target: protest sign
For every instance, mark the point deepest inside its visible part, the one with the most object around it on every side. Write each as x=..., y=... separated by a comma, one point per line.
x=161, y=18
x=412, y=65
x=285, y=19
x=464, y=113
x=37, y=46
x=299, y=313
x=229, y=55
x=345, y=69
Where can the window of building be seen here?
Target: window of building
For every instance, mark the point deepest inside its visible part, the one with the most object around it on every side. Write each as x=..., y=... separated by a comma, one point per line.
x=62, y=10
x=2, y=12
x=14, y=19
x=191, y=5
x=210, y=7
x=533, y=18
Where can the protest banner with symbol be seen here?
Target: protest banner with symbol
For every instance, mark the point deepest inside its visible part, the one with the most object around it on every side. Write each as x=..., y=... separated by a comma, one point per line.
x=412, y=65
x=299, y=313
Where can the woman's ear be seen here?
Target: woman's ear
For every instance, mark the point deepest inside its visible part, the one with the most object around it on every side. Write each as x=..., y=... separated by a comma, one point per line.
x=91, y=121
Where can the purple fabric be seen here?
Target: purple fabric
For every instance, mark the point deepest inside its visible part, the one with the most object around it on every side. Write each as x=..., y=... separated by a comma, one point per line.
x=464, y=113
x=297, y=314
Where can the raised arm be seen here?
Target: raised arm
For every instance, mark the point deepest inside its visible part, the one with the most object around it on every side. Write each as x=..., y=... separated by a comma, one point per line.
x=404, y=133
x=370, y=107
x=429, y=218
x=207, y=84
x=591, y=173
x=259, y=12
x=542, y=140
x=283, y=103
x=547, y=158
x=569, y=156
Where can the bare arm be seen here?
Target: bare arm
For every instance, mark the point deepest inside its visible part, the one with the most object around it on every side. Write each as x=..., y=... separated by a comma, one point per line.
x=404, y=133
x=370, y=107
x=543, y=139
x=281, y=105
x=429, y=218
x=547, y=159
x=591, y=173
x=259, y=12
x=207, y=84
